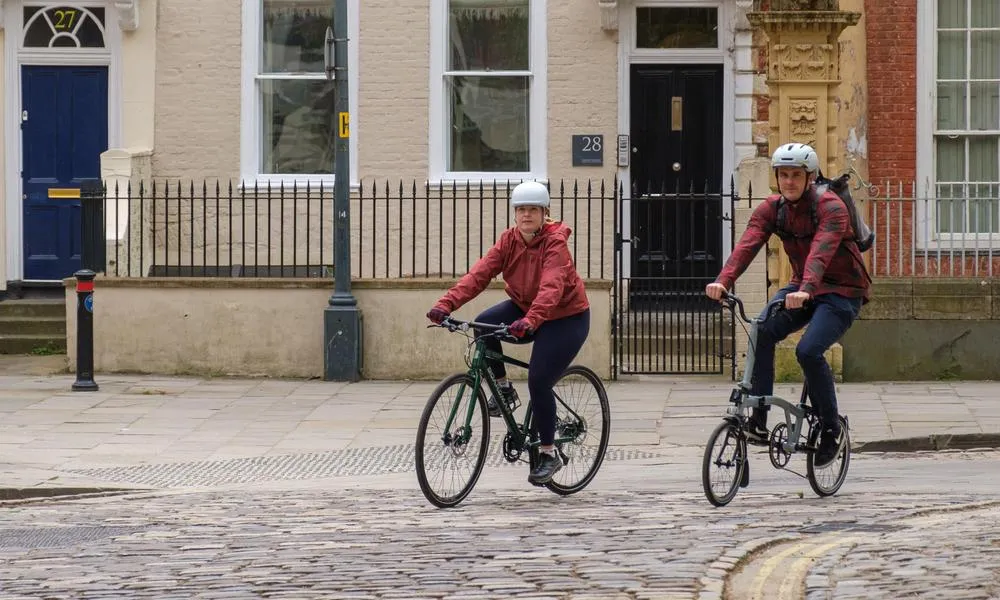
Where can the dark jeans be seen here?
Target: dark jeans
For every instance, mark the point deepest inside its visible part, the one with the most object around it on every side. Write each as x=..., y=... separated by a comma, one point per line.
x=556, y=342
x=829, y=316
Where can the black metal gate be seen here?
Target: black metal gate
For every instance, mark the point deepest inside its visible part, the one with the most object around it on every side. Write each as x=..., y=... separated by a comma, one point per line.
x=668, y=247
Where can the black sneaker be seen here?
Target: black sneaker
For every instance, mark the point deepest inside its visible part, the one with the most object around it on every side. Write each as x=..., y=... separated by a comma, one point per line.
x=829, y=447
x=510, y=397
x=548, y=465
x=756, y=429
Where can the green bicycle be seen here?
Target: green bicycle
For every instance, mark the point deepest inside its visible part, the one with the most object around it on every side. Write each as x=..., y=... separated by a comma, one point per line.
x=454, y=432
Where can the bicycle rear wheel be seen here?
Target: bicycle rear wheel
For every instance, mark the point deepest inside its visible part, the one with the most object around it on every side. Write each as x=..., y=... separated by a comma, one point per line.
x=730, y=457
x=450, y=458
x=826, y=481
x=583, y=414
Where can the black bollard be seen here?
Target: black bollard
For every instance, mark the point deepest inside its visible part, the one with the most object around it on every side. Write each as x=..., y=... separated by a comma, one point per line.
x=85, y=332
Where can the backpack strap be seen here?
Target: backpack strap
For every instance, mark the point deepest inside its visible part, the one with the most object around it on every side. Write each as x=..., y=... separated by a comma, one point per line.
x=814, y=210
x=782, y=218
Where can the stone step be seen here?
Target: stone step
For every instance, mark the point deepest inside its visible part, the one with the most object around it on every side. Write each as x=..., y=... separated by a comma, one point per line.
x=33, y=308
x=32, y=344
x=654, y=343
x=678, y=363
x=51, y=326
x=674, y=322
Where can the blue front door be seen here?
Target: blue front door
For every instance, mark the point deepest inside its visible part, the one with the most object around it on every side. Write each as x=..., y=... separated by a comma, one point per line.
x=64, y=126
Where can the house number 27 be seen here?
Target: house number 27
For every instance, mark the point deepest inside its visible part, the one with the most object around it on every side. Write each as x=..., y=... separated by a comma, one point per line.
x=64, y=19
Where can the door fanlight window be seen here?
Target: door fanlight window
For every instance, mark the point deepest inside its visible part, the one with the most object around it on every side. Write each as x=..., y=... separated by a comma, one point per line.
x=63, y=26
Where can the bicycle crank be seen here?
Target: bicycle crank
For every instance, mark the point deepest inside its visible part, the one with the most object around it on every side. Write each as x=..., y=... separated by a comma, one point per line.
x=776, y=447
x=511, y=451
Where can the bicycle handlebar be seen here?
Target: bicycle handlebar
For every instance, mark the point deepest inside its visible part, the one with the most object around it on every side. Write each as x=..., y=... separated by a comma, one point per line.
x=732, y=301
x=452, y=324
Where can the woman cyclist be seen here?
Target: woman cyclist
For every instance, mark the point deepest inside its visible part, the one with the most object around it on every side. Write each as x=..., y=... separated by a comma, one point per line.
x=548, y=306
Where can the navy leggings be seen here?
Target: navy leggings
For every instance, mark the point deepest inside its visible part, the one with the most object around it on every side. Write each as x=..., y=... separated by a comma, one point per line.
x=557, y=343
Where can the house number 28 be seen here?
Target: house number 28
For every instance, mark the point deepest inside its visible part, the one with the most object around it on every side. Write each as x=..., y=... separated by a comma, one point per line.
x=592, y=143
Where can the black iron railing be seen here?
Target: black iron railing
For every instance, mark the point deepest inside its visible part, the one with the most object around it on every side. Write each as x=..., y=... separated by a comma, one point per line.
x=398, y=230
x=676, y=245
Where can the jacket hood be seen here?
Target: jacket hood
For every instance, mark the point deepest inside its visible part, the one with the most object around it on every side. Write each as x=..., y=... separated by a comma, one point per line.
x=557, y=228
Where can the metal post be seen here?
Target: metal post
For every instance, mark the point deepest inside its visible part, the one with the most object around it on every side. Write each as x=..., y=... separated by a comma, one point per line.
x=85, y=332
x=342, y=318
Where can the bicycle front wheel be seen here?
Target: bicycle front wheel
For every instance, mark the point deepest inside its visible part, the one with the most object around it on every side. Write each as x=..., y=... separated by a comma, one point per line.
x=583, y=419
x=724, y=463
x=826, y=481
x=452, y=441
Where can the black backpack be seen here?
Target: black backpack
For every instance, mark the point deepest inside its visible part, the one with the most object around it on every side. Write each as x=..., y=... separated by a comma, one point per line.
x=864, y=237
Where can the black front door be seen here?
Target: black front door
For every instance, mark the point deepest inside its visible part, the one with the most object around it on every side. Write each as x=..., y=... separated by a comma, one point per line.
x=676, y=171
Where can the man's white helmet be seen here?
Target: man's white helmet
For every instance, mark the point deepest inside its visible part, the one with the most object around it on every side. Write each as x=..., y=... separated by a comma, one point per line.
x=529, y=193
x=796, y=155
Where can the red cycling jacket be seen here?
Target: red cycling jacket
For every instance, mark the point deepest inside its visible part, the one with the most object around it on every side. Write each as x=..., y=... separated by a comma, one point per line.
x=539, y=276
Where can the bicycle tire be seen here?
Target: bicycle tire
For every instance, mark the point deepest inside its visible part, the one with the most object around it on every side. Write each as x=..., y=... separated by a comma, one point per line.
x=739, y=457
x=435, y=498
x=843, y=462
x=558, y=484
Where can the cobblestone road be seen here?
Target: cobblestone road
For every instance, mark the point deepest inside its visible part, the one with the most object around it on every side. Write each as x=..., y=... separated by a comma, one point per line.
x=317, y=540
x=283, y=489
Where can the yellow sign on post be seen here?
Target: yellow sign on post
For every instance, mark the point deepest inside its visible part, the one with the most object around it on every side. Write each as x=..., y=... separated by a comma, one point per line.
x=345, y=122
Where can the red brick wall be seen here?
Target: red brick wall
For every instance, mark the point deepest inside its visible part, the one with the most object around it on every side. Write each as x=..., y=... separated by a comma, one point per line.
x=891, y=30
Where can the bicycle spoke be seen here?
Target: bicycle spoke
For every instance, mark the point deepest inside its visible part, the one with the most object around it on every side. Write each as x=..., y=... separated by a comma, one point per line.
x=452, y=440
x=582, y=421
x=723, y=464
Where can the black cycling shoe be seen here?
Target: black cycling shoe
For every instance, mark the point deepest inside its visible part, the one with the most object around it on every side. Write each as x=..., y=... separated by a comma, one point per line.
x=829, y=447
x=756, y=429
x=510, y=397
x=548, y=465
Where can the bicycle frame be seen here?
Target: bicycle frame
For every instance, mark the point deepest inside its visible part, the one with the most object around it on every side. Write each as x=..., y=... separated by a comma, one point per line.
x=478, y=367
x=795, y=415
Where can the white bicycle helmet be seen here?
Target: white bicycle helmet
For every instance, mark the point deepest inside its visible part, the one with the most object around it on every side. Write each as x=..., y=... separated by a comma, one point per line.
x=529, y=193
x=795, y=155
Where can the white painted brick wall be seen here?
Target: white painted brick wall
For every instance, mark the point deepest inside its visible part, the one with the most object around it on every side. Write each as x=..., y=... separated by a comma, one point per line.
x=583, y=99
x=583, y=86
x=197, y=114
x=393, y=94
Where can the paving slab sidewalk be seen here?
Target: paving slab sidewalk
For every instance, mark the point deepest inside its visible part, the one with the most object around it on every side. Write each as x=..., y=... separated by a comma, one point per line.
x=52, y=436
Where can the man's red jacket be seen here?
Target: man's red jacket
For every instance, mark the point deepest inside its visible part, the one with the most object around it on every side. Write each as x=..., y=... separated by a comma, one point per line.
x=827, y=261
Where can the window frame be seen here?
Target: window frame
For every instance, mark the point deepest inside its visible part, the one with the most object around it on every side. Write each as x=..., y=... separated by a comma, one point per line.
x=694, y=55
x=251, y=127
x=927, y=234
x=439, y=119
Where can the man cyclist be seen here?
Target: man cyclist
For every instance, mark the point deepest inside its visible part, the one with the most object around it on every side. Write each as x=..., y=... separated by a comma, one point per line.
x=829, y=285
x=548, y=306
